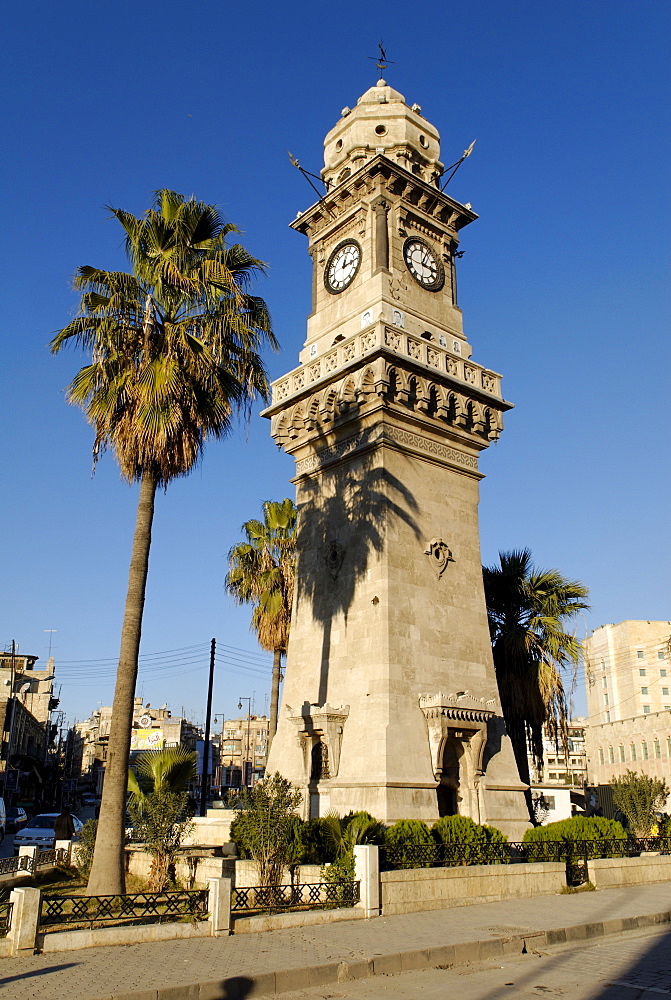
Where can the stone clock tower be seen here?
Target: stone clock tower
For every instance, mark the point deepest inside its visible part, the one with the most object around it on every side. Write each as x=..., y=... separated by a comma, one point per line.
x=390, y=701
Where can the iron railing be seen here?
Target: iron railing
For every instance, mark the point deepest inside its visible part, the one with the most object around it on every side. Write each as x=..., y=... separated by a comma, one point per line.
x=25, y=863
x=303, y=896
x=137, y=907
x=445, y=855
x=5, y=916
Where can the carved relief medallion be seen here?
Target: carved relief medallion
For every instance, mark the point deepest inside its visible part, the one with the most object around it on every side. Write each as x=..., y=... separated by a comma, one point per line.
x=439, y=553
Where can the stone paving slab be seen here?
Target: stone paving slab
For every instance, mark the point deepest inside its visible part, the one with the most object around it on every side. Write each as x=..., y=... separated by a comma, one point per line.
x=251, y=965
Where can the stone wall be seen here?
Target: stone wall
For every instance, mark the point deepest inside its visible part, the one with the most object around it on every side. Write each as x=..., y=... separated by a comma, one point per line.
x=439, y=888
x=610, y=873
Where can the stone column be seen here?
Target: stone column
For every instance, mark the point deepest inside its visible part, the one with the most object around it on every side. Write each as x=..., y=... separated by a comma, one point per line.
x=30, y=852
x=367, y=872
x=381, y=208
x=64, y=845
x=219, y=906
x=25, y=919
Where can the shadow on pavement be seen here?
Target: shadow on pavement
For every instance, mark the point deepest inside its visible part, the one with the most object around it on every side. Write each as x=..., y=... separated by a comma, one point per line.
x=236, y=988
x=39, y=972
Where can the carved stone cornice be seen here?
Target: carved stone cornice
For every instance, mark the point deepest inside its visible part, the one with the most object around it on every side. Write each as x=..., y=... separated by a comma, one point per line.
x=320, y=723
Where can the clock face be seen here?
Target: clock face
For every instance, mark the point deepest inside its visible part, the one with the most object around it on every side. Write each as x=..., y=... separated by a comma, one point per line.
x=342, y=266
x=423, y=264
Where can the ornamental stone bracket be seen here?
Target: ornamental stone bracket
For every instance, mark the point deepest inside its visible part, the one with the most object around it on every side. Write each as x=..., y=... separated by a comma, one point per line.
x=320, y=726
x=461, y=716
x=439, y=554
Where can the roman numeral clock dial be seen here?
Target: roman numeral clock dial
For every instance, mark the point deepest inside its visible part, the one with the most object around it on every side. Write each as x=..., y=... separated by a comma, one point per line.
x=342, y=266
x=423, y=264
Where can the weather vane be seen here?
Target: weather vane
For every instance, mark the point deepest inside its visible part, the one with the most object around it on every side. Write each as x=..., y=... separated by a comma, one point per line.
x=381, y=60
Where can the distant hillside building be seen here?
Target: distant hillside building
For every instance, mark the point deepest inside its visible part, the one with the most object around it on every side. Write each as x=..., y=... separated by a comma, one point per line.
x=628, y=681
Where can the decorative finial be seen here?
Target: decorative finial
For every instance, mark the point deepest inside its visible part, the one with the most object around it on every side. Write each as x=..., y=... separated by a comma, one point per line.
x=381, y=61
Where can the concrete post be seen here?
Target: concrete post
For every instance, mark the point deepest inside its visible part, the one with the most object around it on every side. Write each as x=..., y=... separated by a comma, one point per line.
x=219, y=906
x=25, y=919
x=64, y=845
x=30, y=852
x=367, y=872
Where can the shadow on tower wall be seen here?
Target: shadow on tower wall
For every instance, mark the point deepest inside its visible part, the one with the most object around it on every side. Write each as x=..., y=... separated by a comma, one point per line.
x=345, y=514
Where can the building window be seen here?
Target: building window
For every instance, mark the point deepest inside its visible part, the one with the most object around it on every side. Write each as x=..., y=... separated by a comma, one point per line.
x=611, y=755
x=622, y=757
x=553, y=777
x=662, y=673
x=644, y=690
x=661, y=655
x=658, y=749
x=632, y=750
x=665, y=691
x=605, y=699
x=646, y=710
x=604, y=681
x=607, y=716
x=641, y=672
x=667, y=708
x=644, y=750
x=668, y=746
x=601, y=759
x=639, y=653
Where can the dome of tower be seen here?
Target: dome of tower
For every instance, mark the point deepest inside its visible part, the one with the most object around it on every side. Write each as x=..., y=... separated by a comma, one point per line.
x=381, y=122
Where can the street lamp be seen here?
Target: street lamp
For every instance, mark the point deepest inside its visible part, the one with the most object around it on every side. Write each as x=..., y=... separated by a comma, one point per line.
x=249, y=711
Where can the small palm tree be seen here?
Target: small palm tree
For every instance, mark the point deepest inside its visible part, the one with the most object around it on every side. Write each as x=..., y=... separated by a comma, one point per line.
x=175, y=356
x=262, y=573
x=158, y=805
x=527, y=611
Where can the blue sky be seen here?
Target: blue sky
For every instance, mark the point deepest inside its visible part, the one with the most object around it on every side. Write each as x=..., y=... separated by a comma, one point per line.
x=564, y=288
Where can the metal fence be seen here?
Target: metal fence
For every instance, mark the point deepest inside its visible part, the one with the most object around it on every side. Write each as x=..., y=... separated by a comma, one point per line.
x=25, y=863
x=5, y=916
x=138, y=907
x=438, y=855
x=301, y=896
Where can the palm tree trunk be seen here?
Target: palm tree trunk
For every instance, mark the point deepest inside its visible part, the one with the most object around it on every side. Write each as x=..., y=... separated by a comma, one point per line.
x=108, y=868
x=274, y=695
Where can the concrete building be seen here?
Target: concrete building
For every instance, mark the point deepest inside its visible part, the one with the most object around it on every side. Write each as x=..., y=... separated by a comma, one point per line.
x=390, y=701
x=557, y=786
x=628, y=681
x=243, y=750
x=26, y=702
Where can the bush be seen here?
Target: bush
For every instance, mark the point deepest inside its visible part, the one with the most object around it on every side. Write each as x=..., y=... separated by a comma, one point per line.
x=465, y=831
x=579, y=828
x=317, y=847
x=83, y=849
x=640, y=797
x=406, y=834
x=159, y=823
x=267, y=828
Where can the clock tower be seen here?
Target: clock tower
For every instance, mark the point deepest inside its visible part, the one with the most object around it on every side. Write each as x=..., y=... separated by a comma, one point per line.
x=390, y=701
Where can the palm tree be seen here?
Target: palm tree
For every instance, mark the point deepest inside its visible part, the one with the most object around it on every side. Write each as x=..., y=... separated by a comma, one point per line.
x=527, y=610
x=174, y=348
x=158, y=805
x=262, y=573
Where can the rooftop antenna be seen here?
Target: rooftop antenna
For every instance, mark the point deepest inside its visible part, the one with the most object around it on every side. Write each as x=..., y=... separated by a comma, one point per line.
x=455, y=166
x=51, y=635
x=381, y=60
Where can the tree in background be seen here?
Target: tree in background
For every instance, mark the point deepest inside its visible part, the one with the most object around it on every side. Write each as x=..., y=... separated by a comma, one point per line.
x=158, y=806
x=262, y=573
x=175, y=356
x=639, y=797
x=527, y=611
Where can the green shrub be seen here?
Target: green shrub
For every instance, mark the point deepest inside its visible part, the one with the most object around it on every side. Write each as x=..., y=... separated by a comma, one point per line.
x=465, y=831
x=83, y=850
x=317, y=847
x=267, y=828
x=580, y=828
x=408, y=833
x=640, y=798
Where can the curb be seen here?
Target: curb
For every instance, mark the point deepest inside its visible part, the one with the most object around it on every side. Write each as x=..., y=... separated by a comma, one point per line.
x=442, y=957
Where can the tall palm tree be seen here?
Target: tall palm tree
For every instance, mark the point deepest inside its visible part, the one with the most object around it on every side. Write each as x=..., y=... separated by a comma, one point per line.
x=527, y=611
x=262, y=573
x=175, y=356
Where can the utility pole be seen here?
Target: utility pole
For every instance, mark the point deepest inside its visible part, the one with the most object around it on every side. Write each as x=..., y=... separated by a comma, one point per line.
x=11, y=706
x=206, y=742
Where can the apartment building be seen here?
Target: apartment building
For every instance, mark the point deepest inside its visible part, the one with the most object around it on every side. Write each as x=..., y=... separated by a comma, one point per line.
x=628, y=682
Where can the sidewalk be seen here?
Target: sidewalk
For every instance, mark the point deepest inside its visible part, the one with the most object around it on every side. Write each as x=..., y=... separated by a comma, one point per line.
x=250, y=965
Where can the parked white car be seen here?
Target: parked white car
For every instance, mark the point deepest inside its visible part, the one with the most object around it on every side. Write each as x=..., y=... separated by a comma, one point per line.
x=40, y=832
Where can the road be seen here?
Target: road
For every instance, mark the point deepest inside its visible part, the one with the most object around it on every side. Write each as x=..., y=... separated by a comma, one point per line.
x=634, y=966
